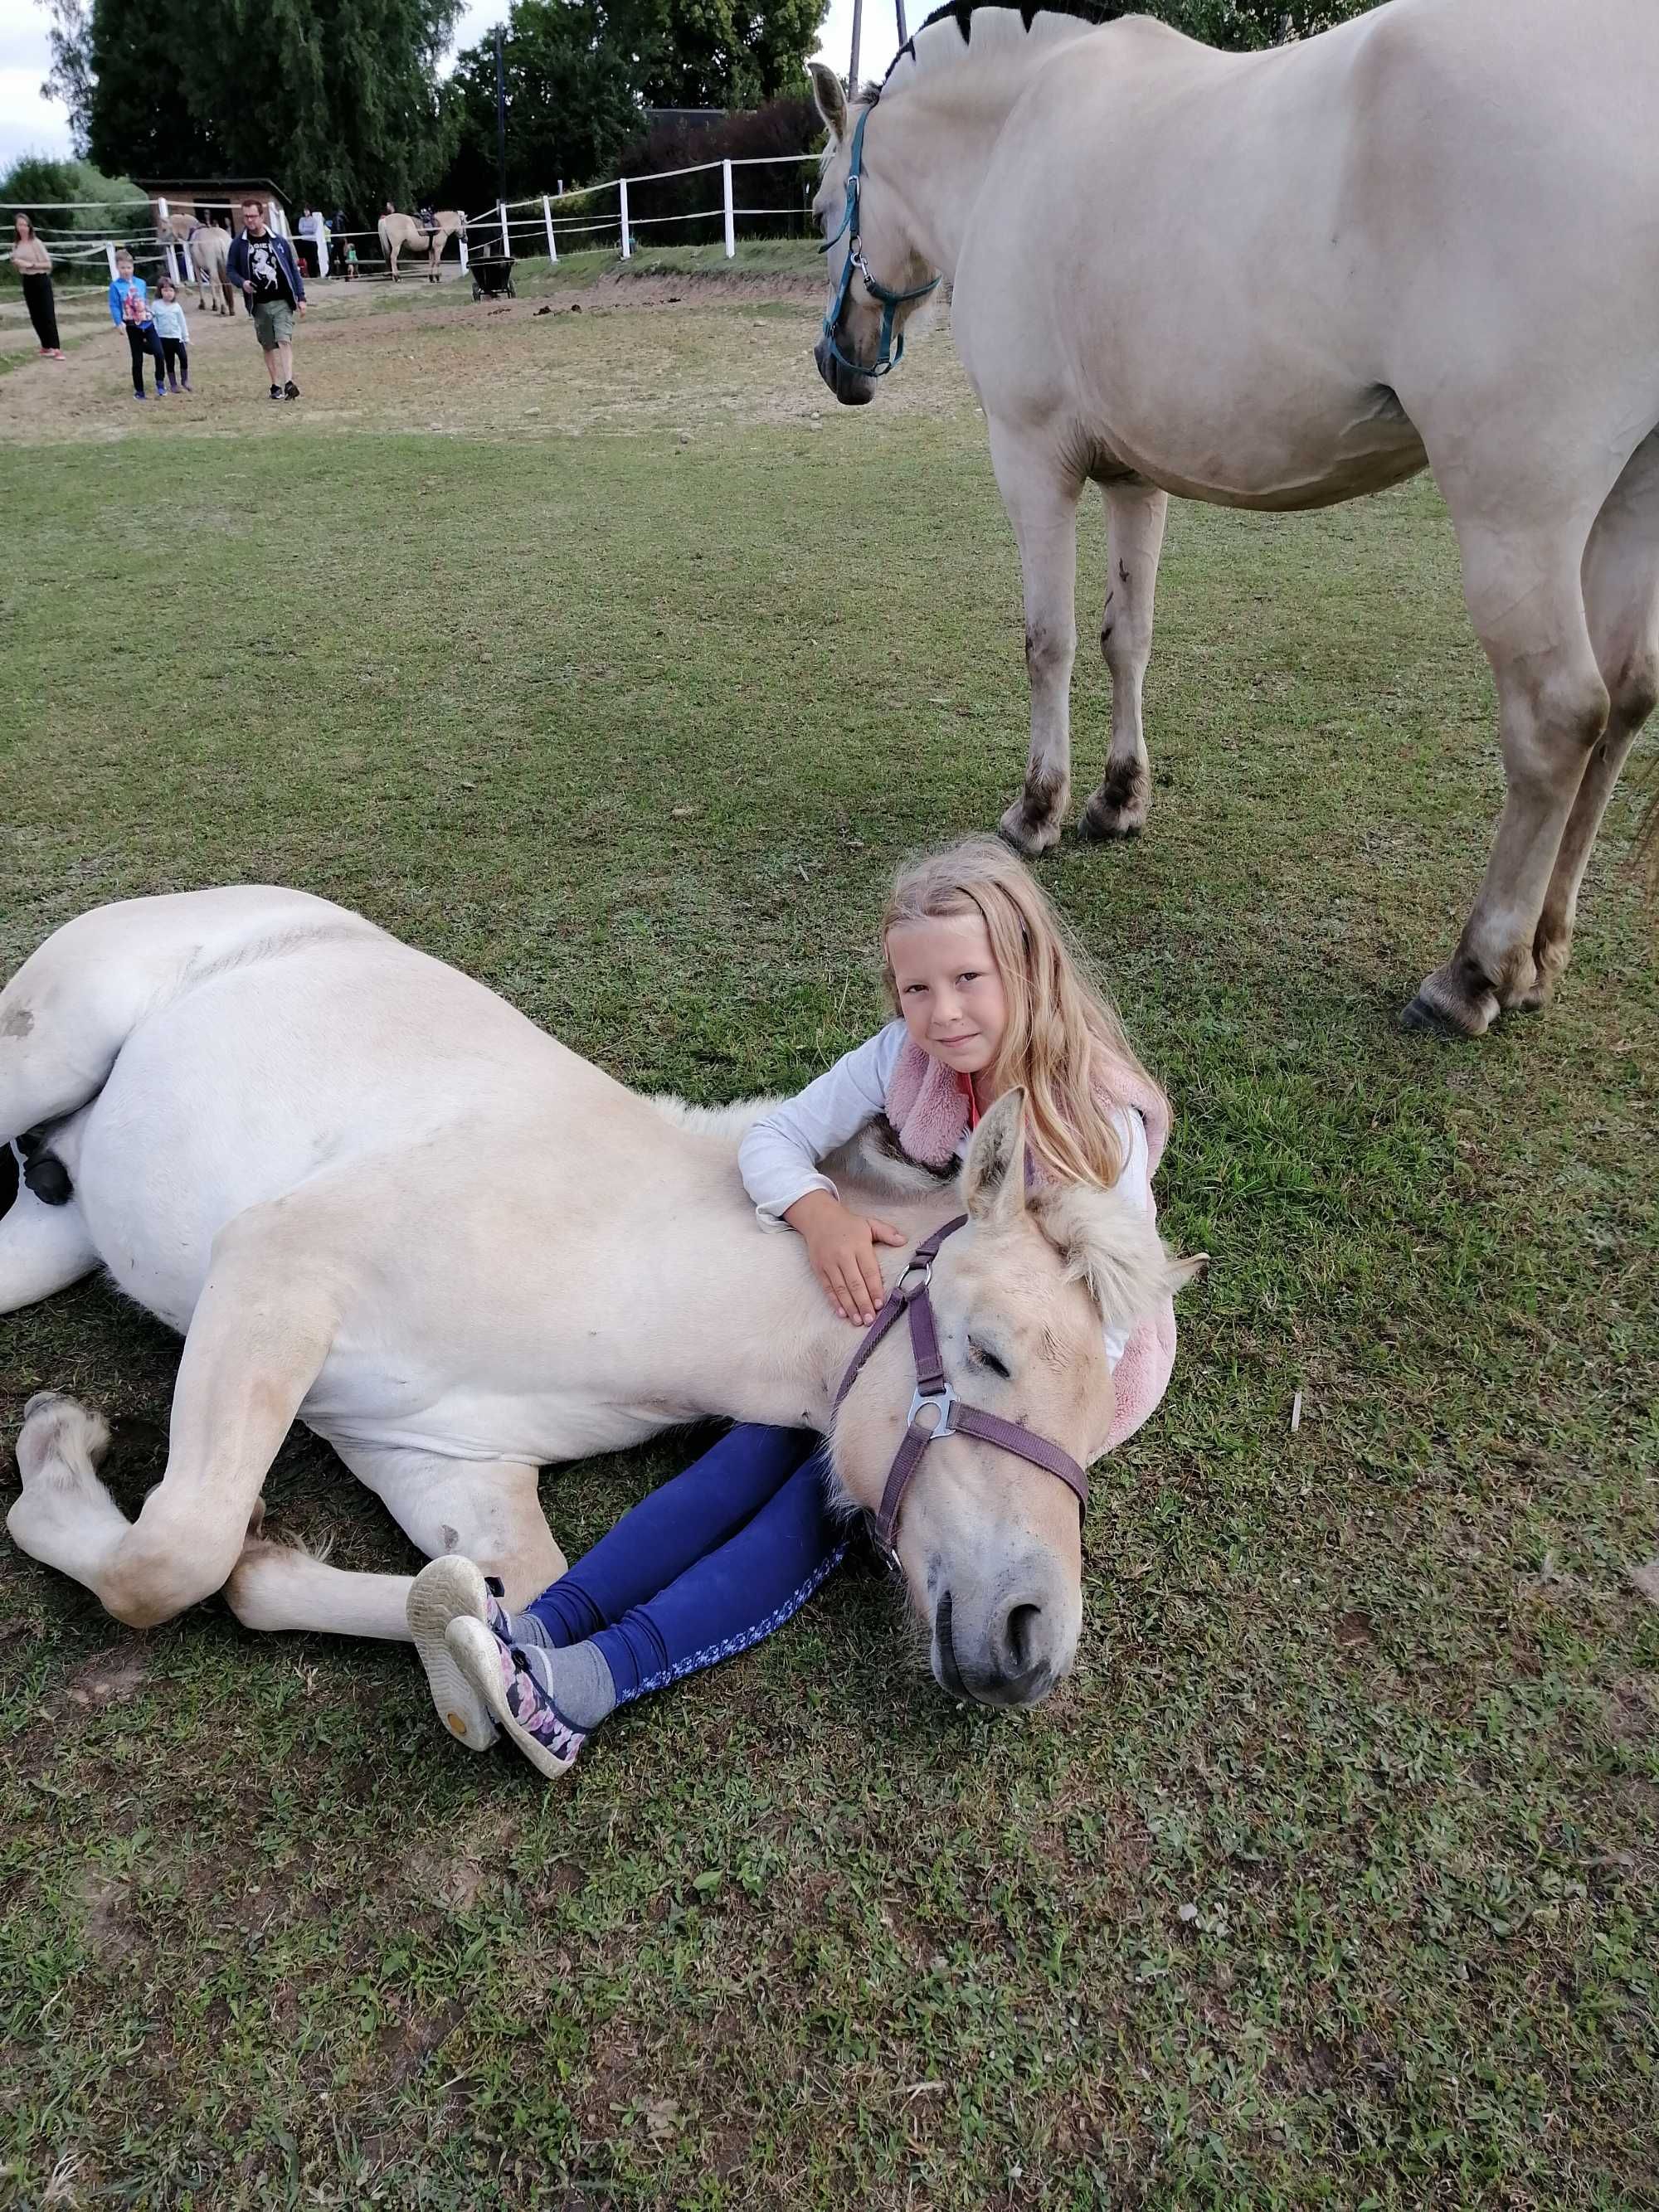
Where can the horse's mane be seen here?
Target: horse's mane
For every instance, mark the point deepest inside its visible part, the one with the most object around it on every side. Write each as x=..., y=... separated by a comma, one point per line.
x=961, y=13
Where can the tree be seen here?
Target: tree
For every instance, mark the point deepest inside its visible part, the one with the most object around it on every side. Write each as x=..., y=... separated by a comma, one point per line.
x=1251, y=23
x=333, y=100
x=571, y=102
x=722, y=53
x=73, y=195
x=70, y=78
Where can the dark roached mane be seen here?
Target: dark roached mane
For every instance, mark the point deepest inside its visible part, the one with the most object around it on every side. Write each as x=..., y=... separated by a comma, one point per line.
x=960, y=12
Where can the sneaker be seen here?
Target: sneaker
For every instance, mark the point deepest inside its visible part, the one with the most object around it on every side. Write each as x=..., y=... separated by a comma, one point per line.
x=141, y=395
x=184, y=386
x=276, y=390
x=290, y=390
x=454, y=1589
x=502, y=1677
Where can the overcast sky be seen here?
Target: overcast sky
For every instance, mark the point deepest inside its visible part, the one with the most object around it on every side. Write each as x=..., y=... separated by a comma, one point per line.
x=30, y=124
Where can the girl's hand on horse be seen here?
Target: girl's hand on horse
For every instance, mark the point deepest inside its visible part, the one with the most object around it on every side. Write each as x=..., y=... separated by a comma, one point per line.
x=841, y=1246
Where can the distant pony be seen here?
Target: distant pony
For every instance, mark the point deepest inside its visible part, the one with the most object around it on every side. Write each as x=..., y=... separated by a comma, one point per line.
x=402, y=233
x=207, y=247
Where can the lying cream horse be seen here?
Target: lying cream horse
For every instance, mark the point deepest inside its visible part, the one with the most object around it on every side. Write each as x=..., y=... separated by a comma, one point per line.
x=401, y=234
x=1428, y=238
x=372, y=1197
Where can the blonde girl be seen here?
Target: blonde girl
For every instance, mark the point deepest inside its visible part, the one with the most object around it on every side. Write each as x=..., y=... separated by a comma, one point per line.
x=987, y=995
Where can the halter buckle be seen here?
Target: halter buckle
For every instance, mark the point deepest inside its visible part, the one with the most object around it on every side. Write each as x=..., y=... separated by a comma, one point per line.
x=946, y=1399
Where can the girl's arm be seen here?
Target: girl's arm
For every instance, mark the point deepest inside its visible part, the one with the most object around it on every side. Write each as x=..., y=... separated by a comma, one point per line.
x=778, y=1157
x=115, y=303
x=1135, y=1186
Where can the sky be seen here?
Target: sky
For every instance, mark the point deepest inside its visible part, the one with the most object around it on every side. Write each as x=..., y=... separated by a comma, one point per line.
x=30, y=124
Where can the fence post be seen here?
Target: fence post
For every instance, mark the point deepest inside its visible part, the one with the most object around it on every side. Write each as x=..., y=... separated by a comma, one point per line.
x=168, y=253
x=461, y=247
x=109, y=255
x=322, y=245
x=506, y=243
x=731, y=221
x=627, y=243
x=547, y=217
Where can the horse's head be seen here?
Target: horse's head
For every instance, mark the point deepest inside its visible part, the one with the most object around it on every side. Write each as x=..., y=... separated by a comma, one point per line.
x=990, y=1544
x=878, y=275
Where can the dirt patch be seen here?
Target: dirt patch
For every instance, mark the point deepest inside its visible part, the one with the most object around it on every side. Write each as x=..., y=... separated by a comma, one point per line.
x=109, y=1926
x=676, y=353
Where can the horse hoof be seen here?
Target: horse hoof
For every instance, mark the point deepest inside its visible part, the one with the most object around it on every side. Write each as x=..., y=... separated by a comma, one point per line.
x=1030, y=836
x=1109, y=825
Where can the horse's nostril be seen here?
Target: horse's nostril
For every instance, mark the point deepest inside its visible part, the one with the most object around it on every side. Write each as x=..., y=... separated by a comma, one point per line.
x=1022, y=1634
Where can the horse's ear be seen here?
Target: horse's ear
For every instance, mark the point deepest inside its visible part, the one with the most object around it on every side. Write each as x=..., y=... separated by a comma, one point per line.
x=830, y=96
x=994, y=1173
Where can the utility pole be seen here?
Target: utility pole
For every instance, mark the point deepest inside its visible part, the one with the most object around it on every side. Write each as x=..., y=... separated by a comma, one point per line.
x=904, y=34
x=853, y=66
x=501, y=119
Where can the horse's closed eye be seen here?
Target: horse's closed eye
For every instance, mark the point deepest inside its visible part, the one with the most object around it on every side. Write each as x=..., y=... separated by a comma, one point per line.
x=981, y=1357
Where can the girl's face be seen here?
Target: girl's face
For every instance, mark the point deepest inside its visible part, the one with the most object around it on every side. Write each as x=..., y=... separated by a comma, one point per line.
x=950, y=991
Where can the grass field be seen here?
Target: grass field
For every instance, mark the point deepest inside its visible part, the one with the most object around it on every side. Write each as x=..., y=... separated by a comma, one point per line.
x=599, y=655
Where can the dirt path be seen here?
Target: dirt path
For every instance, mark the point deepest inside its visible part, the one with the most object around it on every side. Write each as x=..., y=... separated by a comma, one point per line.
x=627, y=354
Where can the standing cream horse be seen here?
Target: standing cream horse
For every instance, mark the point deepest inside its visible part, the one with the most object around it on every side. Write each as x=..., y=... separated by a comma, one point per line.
x=372, y=1197
x=1276, y=280
x=207, y=249
x=401, y=234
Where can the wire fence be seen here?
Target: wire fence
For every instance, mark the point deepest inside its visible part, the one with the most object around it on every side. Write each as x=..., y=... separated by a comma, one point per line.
x=775, y=195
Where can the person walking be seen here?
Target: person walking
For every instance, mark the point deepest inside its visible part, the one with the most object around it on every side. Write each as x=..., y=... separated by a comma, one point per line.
x=173, y=331
x=129, y=310
x=33, y=264
x=261, y=262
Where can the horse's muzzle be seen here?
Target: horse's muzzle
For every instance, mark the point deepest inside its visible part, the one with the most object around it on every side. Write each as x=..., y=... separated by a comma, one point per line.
x=849, y=386
x=1014, y=1667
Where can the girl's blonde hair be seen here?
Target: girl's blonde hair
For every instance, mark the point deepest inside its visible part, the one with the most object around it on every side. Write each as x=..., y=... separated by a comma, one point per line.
x=1064, y=1037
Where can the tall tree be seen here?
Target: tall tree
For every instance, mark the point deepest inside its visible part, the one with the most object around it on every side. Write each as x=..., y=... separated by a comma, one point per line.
x=571, y=102
x=721, y=53
x=335, y=99
x=70, y=78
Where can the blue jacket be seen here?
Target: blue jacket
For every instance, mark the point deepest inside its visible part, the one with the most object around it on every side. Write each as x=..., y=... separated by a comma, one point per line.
x=288, y=268
x=117, y=292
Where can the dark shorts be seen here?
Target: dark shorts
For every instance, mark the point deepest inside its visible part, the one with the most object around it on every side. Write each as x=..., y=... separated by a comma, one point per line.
x=273, y=323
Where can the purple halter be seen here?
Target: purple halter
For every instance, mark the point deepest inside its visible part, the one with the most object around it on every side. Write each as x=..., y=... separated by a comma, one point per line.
x=909, y=1295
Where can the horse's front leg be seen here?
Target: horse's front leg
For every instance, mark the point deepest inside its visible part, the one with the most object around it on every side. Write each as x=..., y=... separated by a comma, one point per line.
x=1041, y=493
x=1135, y=515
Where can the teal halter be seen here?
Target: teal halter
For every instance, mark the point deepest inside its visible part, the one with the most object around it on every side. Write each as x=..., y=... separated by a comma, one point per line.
x=889, y=354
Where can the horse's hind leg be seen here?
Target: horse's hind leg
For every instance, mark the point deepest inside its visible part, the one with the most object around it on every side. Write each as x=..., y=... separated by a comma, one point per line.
x=1523, y=587
x=485, y=1511
x=1621, y=604
x=1041, y=495
x=257, y=1341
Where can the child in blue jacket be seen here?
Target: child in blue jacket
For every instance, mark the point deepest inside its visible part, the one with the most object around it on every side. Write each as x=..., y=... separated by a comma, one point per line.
x=129, y=310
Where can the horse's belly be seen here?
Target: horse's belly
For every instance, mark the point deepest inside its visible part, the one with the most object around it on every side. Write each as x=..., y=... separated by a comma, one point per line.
x=1326, y=451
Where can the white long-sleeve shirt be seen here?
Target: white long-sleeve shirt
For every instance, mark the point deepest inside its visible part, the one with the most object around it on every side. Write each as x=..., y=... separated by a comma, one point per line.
x=779, y=1156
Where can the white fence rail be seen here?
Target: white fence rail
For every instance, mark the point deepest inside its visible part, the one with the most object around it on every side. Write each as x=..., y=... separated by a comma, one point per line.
x=514, y=223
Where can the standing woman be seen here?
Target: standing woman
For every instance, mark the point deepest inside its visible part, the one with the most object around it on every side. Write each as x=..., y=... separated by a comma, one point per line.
x=33, y=264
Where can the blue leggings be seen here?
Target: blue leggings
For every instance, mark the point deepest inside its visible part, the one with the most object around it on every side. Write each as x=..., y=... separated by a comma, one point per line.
x=711, y=1562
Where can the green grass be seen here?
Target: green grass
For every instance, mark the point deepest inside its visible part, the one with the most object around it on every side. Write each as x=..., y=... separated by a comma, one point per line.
x=1330, y=1878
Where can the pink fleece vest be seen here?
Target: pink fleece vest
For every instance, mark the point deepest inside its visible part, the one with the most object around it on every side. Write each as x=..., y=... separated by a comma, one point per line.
x=929, y=1113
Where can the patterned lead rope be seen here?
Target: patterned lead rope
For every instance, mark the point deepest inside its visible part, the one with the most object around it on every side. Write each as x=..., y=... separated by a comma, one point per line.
x=934, y=1394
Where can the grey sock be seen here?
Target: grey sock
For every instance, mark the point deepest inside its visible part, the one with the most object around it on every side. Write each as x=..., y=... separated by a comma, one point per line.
x=576, y=1679
x=527, y=1629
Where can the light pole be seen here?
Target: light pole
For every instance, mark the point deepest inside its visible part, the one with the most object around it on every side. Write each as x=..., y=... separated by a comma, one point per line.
x=858, y=34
